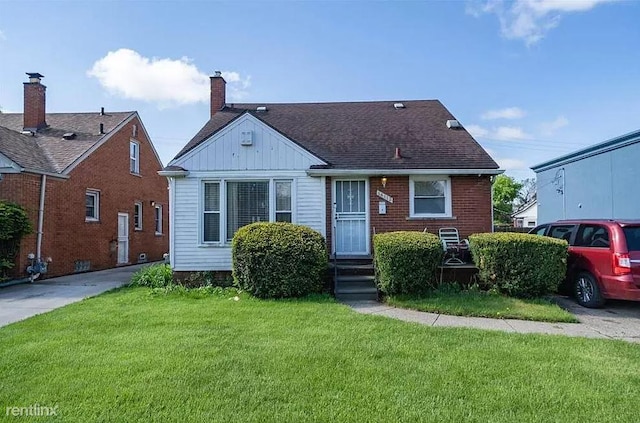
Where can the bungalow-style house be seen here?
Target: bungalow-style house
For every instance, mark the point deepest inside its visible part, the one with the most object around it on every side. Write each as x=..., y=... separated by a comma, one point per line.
x=89, y=183
x=347, y=170
x=526, y=216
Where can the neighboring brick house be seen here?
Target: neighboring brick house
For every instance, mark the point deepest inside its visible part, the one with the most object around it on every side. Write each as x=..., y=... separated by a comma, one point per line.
x=348, y=170
x=89, y=183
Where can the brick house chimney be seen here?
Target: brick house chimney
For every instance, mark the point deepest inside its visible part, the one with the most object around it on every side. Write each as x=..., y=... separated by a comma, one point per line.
x=34, y=103
x=218, y=92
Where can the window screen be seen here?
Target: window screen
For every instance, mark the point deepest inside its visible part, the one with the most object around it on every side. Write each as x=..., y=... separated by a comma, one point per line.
x=211, y=212
x=247, y=202
x=283, y=201
x=429, y=197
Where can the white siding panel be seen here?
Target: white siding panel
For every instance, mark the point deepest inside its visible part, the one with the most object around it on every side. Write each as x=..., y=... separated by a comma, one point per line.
x=310, y=203
x=188, y=255
x=270, y=151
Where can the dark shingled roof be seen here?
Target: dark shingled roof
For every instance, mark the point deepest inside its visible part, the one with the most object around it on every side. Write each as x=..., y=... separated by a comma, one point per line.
x=47, y=151
x=364, y=135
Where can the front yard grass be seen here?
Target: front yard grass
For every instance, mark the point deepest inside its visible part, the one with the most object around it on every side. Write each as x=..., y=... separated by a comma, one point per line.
x=483, y=304
x=133, y=356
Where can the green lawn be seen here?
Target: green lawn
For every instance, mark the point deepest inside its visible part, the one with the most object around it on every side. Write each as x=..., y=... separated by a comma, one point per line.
x=482, y=304
x=133, y=356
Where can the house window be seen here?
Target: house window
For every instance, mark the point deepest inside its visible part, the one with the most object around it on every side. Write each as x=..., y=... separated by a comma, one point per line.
x=229, y=205
x=158, y=219
x=211, y=212
x=137, y=216
x=430, y=196
x=283, y=201
x=134, y=157
x=92, y=204
x=247, y=202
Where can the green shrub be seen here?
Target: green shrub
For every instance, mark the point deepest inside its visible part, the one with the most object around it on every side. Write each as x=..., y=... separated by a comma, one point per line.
x=14, y=224
x=519, y=265
x=277, y=260
x=406, y=262
x=155, y=276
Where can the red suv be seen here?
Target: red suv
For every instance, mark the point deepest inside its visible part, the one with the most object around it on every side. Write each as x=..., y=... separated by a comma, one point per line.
x=604, y=258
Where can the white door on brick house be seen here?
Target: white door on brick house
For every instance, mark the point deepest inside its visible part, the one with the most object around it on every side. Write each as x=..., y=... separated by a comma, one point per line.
x=351, y=228
x=123, y=238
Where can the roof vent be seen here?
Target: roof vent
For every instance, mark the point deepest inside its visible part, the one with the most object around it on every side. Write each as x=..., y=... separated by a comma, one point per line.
x=261, y=109
x=397, y=155
x=101, y=129
x=69, y=136
x=398, y=105
x=453, y=124
x=246, y=138
x=26, y=132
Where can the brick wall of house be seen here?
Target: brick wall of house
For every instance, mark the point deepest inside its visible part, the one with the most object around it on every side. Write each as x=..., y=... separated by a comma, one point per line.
x=67, y=237
x=471, y=207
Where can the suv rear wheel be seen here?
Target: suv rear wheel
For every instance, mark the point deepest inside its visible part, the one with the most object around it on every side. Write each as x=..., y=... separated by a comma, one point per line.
x=586, y=291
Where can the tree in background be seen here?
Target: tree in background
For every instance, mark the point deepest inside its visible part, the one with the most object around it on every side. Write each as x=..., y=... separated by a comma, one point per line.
x=505, y=191
x=527, y=193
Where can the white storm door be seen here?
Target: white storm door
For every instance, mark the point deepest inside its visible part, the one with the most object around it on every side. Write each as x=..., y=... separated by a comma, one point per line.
x=351, y=232
x=123, y=238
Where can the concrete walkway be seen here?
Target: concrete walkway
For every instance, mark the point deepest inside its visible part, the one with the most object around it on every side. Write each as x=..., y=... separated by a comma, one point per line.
x=591, y=327
x=19, y=302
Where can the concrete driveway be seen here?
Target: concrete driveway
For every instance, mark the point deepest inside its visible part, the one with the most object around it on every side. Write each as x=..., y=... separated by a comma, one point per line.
x=616, y=320
x=19, y=302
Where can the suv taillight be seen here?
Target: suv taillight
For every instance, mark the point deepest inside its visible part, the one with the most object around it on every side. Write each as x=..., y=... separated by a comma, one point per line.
x=621, y=264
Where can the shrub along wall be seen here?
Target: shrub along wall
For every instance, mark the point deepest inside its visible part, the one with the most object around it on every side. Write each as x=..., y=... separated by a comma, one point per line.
x=275, y=260
x=519, y=265
x=406, y=262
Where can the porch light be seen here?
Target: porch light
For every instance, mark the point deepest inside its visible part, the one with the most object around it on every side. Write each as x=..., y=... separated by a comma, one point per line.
x=383, y=181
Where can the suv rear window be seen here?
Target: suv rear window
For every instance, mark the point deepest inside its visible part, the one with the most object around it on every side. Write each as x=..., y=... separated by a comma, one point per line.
x=632, y=234
x=561, y=232
x=592, y=236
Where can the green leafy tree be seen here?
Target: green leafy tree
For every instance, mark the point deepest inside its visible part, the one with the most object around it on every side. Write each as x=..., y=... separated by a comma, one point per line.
x=505, y=191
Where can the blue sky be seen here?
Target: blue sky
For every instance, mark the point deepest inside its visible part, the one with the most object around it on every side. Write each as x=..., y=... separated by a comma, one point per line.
x=531, y=79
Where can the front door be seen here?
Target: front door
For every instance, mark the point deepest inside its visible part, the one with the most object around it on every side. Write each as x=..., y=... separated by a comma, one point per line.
x=123, y=238
x=350, y=217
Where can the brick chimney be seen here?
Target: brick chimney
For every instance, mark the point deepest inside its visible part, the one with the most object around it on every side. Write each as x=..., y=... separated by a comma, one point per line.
x=34, y=103
x=218, y=92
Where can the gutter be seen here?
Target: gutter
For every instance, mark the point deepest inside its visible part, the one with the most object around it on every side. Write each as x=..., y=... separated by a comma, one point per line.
x=173, y=173
x=374, y=172
x=43, y=189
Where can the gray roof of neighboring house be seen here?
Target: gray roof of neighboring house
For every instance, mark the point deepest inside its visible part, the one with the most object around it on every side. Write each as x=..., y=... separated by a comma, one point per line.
x=47, y=150
x=364, y=135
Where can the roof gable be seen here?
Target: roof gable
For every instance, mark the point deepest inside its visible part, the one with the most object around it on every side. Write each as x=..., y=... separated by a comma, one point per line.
x=365, y=135
x=48, y=151
x=269, y=149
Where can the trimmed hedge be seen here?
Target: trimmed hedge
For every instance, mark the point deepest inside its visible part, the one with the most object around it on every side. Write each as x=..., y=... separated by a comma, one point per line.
x=519, y=265
x=277, y=260
x=406, y=262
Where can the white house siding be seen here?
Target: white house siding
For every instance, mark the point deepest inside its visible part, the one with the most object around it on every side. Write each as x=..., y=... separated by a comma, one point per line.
x=271, y=156
x=270, y=150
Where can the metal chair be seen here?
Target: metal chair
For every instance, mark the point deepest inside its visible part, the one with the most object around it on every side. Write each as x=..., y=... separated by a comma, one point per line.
x=453, y=247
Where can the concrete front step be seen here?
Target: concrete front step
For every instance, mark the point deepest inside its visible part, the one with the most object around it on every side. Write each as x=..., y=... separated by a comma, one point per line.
x=357, y=296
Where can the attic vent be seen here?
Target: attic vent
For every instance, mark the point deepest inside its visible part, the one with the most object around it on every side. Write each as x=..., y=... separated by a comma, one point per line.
x=261, y=109
x=69, y=136
x=398, y=105
x=246, y=138
x=453, y=124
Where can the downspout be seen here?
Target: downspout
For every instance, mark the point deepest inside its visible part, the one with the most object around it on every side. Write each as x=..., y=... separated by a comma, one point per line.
x=564, y=195
x=43, y=188
x=491, y=180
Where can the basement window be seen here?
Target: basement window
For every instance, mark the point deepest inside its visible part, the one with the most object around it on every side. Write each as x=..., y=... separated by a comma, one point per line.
x=92, y=205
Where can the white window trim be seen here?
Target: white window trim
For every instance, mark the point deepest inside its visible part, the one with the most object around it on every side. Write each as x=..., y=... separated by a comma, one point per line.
x=96, y=194
x=223, y=205
x=202, y=212
x=159, y=222
x=136, y=159
x=447, y=196
x=139, y=227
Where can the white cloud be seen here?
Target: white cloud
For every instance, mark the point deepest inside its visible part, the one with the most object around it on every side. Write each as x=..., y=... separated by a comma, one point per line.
x=508, y=133
x=166, y=82
x=530, y=20
x=477, y=131
x=507, y=113
x=548, y=128
x=2, y=36
x=512, y=164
